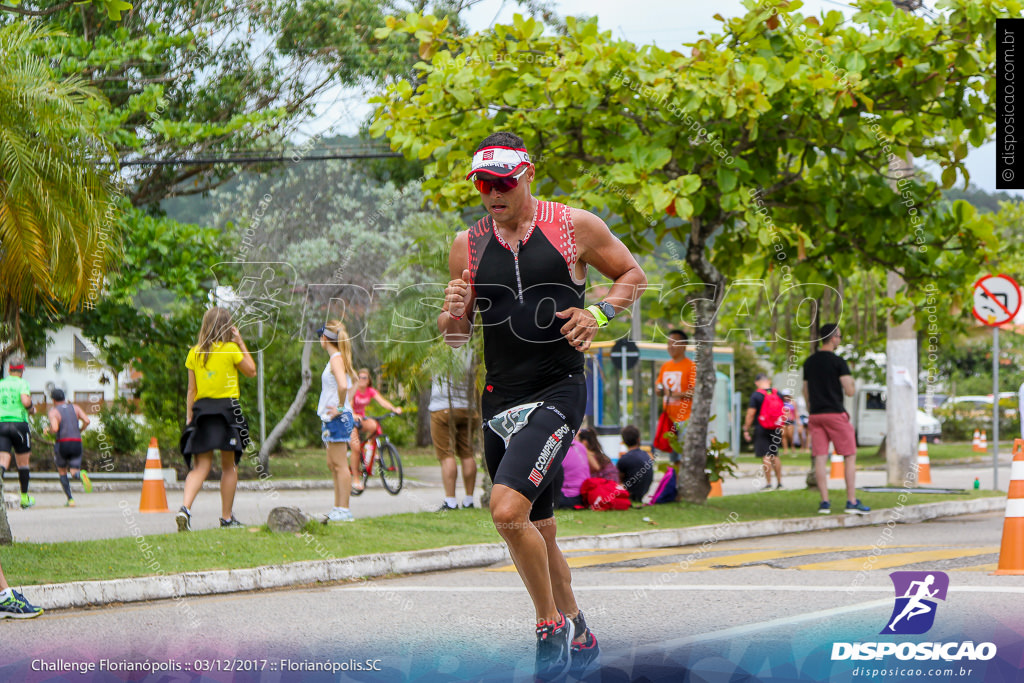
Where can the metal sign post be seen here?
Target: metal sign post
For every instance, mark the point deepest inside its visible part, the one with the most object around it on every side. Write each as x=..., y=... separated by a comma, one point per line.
x=997, y=300
x=627, y=353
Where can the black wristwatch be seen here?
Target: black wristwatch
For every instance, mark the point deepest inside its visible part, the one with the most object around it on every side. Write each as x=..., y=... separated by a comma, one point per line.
x=607, y=309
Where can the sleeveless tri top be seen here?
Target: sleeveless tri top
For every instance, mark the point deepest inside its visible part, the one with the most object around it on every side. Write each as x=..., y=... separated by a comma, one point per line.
x=517, y=295
x=69, y=430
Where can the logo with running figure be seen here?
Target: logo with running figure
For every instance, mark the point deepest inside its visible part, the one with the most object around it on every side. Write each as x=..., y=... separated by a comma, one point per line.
x=916, y=595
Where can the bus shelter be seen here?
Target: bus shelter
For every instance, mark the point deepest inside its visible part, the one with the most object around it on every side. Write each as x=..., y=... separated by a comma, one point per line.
x=610, y=395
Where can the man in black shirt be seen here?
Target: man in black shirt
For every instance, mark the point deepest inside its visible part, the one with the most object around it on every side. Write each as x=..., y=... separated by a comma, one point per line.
x=636, y=467
x=766, y=441
x=826, y=378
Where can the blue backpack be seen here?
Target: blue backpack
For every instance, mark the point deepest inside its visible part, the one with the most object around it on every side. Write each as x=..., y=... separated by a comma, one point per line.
x=666, y=491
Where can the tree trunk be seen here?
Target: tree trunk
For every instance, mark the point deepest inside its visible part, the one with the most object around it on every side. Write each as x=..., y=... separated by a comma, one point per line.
x=901, y=396
x=692, y=480
x=423, y=418
x=267, y=447
x=6, y=538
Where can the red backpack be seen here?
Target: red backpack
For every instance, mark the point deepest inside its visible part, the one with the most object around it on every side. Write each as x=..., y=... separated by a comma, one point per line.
x=773, y=410
x=603, y=494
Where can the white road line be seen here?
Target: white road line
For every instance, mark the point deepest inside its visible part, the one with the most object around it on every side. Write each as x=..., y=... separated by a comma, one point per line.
x=386, y=588
x=774, y=623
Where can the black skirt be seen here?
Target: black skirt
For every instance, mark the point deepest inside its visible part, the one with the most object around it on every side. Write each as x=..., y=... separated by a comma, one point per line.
x=218, y=424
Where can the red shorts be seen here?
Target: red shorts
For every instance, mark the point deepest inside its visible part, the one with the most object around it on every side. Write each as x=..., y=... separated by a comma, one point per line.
x=834, y=427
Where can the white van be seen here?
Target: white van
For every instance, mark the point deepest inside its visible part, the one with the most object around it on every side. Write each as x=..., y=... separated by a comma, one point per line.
x=867, y=411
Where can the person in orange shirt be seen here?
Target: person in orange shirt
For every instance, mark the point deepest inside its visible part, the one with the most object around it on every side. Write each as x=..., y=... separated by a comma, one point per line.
x=675, y=383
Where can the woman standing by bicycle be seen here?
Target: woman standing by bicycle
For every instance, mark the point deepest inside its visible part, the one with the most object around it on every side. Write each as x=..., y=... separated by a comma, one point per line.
x=335, y=410
x=367, y=427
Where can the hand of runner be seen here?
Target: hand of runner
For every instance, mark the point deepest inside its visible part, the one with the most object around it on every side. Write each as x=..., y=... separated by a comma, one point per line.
x=457, y=295
x=580, y=329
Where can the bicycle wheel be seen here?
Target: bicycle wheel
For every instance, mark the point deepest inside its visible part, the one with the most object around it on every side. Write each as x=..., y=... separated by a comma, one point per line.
x=390, y=468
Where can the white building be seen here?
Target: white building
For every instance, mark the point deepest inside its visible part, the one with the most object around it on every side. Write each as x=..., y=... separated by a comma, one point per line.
x=70, y=364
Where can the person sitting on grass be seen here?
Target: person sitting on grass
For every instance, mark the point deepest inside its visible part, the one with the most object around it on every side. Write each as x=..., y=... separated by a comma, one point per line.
x=636, y=466
x=600, y=464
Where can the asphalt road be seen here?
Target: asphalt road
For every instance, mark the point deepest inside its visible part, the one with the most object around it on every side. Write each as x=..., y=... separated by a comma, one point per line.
x=99, y=515
x=767, y=609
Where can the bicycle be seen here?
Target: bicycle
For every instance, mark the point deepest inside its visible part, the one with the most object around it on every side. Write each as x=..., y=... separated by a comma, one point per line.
x=380, y=452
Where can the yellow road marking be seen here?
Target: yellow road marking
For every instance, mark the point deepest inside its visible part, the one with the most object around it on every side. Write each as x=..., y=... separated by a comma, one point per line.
x=706, y=563
x=991, y=567
x=896, y=559
x=611, y=558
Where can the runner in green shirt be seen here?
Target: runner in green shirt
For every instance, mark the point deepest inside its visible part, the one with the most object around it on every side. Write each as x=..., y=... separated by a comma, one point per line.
x=15, y=407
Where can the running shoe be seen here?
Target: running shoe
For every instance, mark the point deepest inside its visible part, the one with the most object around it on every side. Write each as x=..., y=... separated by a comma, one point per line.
x=27, y=501
x=86, y=481
x=183, y=519
x=231, y=523
x=857, y=508
x=554, y=640
x=447, y=508
x=585, y=654
x=586, y=657
x=766, y=487
x=340, y=515
x=17, y=607
x=70, y=504
x=466, y=507
x=825, y=508
x=779, y=487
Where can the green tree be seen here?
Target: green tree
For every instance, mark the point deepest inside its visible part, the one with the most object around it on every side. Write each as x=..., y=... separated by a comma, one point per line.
x=56, y=240
x=799, y=116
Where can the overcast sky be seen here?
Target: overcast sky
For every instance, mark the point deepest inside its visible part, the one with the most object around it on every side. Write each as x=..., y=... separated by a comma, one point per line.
x=667, y=23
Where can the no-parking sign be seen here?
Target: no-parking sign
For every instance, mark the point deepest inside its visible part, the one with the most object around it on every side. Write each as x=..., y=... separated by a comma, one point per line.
x=997, y=299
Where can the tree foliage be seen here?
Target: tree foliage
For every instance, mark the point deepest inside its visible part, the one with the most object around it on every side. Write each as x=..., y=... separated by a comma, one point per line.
x=776, y=115
x=55, y=196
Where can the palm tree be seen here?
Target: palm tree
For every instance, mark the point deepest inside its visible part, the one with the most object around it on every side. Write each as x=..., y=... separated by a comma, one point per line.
x=58, y=211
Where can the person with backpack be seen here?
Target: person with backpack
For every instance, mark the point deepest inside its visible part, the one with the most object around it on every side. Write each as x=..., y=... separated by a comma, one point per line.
x=767, y=407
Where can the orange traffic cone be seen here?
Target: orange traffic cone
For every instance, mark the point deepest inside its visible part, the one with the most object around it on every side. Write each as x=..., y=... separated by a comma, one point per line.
x=1011, y=553
x=838, y=469
x=154, y=495
x=716, y=489
x=976, y=443
x=924, y=466
x=983, y=443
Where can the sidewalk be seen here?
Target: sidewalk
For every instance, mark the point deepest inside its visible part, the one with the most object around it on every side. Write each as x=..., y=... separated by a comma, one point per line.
x=100, y=514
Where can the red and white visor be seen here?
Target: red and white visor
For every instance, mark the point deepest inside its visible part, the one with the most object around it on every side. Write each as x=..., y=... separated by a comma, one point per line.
x=498, y=161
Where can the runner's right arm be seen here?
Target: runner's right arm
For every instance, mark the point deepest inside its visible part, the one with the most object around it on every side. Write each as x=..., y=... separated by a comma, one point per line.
x=456, y=319
x=85, y=421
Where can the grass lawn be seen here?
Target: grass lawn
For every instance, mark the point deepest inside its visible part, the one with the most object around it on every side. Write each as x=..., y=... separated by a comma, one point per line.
x=311, y=463
x=35, y=563
x=868, y=456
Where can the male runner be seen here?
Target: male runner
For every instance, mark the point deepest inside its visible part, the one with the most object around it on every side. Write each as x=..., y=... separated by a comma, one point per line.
x=67, y=420
x=523, y=268
x=15, y=406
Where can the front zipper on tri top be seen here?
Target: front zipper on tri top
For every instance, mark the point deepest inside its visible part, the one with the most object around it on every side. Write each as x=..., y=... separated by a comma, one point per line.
x=519, y=279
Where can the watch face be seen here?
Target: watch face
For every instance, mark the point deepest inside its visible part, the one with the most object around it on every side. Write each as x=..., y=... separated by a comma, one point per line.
x=607, y=309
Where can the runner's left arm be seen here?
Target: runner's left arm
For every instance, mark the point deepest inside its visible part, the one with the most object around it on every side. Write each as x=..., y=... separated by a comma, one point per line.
x=599, y=248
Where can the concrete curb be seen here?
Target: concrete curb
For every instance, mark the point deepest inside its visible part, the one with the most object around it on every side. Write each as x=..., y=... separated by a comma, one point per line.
x=180, y=586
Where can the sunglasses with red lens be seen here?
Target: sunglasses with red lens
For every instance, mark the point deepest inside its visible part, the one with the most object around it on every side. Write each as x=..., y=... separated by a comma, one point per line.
x=487, y=183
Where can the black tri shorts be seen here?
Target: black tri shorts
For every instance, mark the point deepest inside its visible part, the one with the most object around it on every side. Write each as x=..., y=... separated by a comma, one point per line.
x=526, y=439
x=68, y=454
x=14, y=438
